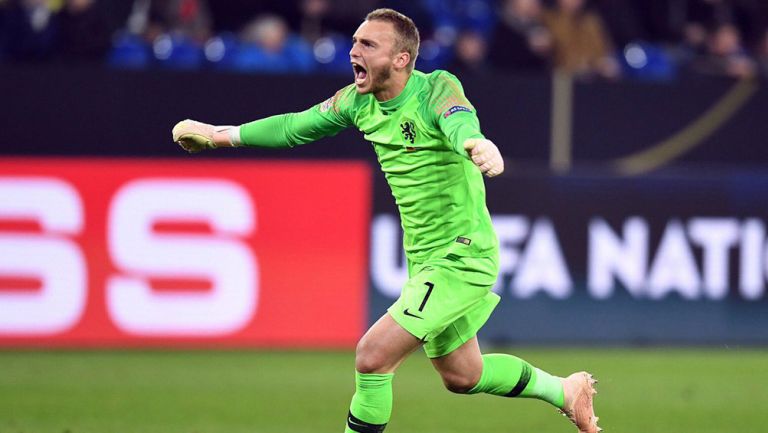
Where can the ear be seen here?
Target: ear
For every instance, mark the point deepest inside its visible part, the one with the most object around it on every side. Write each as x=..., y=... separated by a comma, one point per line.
x=401, y=60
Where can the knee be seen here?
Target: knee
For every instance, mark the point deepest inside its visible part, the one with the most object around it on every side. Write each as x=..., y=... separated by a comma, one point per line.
x=368, y=360
x=459, y=383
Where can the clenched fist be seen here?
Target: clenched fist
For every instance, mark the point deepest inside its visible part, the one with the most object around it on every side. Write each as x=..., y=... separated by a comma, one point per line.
x=485, y=155
x=195, y=136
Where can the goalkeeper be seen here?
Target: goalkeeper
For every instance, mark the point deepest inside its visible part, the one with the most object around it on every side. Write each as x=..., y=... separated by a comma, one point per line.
x=427, y=138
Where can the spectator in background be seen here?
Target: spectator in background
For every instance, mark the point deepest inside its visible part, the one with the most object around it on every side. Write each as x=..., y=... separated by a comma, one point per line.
x=84, y=34
x=268, y=46
x=469, y=55
x=314, y=18
x=725, y=55
x=581, y=43
x=749, y=16
x=520, y=42
x=695, y=38
x=183, y=18
x=233, y=15
x=30, y=31
x=701, y=15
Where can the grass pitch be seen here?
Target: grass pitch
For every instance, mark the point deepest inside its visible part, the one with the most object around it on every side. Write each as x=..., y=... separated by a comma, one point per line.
x=649, y=391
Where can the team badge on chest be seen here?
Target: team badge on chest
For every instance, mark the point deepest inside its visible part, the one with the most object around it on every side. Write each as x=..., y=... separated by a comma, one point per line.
x=408, y=129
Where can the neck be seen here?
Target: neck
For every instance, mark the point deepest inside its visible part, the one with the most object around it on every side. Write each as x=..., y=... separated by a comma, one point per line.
x=393, y=87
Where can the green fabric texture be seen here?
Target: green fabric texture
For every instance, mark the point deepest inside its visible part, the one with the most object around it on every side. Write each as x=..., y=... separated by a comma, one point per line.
x=546, y=387
x=502, y=373
x=418, y=137
x=372, y=401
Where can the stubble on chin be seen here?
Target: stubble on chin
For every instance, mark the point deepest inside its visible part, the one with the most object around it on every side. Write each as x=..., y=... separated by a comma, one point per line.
x=379, y=79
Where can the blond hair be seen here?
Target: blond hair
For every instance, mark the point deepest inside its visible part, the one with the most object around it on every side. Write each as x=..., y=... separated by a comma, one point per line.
x=407, y=35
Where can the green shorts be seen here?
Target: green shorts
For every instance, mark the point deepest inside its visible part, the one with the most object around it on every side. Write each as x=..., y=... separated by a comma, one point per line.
x=446, y=301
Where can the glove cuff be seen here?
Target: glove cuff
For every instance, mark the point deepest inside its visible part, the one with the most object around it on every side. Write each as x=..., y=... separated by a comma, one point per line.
x=226, y=136
x=234, y=136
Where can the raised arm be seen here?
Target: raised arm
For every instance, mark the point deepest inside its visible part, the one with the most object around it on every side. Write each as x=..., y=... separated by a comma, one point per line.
x=285, y=130
x=456, y=117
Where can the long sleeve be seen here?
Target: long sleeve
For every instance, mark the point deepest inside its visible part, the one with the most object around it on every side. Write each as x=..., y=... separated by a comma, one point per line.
x=459, y=127
x=453, y=113
x=292, y=129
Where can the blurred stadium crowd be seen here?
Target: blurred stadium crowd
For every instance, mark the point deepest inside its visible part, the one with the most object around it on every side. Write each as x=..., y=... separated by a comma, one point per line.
x=597, y=39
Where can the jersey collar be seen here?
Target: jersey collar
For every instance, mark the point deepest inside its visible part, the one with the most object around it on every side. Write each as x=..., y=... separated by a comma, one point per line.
x=398, y=101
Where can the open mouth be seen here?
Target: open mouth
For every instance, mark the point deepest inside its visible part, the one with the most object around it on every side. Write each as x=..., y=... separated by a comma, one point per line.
x=360, y=73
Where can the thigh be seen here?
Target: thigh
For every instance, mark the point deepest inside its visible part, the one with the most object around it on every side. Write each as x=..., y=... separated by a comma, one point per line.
x=384, y=346
x=464, y=361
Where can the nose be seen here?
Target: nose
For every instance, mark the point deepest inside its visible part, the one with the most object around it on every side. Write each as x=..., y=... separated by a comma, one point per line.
x=354, y=51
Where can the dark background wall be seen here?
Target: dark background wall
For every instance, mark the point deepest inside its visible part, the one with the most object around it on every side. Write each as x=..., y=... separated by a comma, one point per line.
x=75, y=111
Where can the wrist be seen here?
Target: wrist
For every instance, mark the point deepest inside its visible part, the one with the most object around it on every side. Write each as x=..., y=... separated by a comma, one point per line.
x=226, y=136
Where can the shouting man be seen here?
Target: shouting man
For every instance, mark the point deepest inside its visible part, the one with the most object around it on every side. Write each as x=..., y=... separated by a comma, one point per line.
x=427, y=139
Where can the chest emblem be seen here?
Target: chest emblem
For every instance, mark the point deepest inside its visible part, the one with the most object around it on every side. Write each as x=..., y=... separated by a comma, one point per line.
x=408, y=128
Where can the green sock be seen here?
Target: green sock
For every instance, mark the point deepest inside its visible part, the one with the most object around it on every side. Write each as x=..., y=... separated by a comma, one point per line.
x=510, y=376
x=372, y=403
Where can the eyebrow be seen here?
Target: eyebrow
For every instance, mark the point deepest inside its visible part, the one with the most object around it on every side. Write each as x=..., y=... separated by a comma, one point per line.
x=363, y=40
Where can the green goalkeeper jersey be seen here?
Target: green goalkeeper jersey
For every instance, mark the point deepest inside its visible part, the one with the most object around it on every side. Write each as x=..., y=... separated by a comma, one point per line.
x=418, y=137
